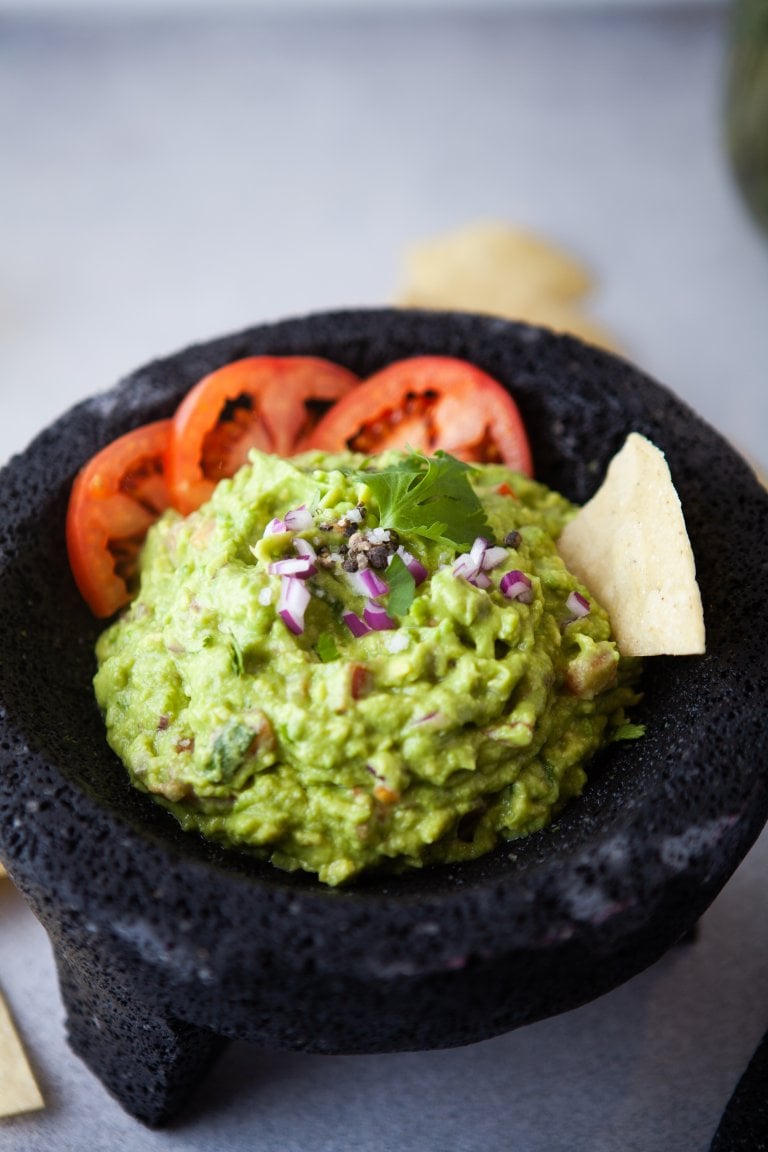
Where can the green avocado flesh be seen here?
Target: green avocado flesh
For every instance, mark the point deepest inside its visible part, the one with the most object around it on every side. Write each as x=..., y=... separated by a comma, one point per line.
x=466, y=723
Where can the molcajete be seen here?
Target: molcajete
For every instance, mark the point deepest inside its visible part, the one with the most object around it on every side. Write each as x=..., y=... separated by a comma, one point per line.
x=168, y=945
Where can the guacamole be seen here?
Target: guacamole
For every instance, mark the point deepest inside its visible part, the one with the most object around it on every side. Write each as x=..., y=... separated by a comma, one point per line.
x=345, y=664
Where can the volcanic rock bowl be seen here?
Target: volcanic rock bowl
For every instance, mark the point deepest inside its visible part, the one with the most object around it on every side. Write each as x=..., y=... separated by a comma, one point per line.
x=167, y=945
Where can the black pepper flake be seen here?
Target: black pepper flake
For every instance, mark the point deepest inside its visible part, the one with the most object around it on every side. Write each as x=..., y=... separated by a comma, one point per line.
x=513, y=540
x=378, y=556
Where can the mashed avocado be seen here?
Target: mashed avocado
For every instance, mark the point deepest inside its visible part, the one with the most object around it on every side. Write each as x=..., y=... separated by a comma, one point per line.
x=300, y=711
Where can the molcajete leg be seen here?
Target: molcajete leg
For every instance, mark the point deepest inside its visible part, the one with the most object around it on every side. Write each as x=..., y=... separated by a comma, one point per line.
x=149, y=1062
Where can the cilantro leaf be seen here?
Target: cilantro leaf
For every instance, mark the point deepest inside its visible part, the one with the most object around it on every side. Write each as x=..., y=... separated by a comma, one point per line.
x=326, y=648
x=236, y=655
x=230, y=749
x=402, y=587
x=430, y=497
x=628, y=731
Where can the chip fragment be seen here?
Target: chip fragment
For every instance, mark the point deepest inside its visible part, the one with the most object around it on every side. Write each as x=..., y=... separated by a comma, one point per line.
x=502, y=271
x=629, y=545
x=18, y=1088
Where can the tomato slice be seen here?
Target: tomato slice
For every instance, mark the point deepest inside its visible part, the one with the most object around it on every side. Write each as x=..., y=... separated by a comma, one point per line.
x=265, y=402
x=118, y=494
x=428, y=403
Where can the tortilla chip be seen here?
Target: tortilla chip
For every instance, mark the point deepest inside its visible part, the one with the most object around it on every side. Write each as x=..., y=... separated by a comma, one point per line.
x=630, y=547
x=18, y=1089
x=2, y=872
x=492, y=268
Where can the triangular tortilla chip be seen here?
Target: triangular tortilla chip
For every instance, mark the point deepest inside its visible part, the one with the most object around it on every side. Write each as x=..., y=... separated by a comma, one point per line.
x=492, y=268
x=630, y=546
x=18, y=1089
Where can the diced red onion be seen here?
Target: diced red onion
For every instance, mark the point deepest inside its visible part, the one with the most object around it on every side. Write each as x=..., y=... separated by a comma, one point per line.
x=478, y=550
x=294, y=598
x=356, y=626
x=493, y=556
x=414, y=566
x=377, y=617
x=481, y=580
x=515, y=585
x=275, y=526
x=367, y=582
x=304, y=548
x=299, y=519
x=425, y=719
x=482, y=556
x=468, y=569
x=299, y=566
x=465, y=566
x=577, y=604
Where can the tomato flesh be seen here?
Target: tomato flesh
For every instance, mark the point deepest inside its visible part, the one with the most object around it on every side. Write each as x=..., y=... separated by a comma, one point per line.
x=428, y=403
x=282, y=405
x=115, y=498
x=264, y=402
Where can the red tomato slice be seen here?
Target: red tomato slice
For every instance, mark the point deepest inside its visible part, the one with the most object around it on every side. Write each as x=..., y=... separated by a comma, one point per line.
x=114, y=499
x=428, y=403
x=266, y=402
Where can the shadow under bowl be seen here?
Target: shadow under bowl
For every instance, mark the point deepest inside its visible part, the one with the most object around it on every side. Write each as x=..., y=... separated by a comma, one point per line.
x=167, y=945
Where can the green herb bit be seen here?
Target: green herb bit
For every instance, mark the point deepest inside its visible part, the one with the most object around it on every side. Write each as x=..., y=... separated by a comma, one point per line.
x=402, y=587
x=230, y=749
x=429, y=497
x=326, y=648
x=628, y=731
x=236, y=655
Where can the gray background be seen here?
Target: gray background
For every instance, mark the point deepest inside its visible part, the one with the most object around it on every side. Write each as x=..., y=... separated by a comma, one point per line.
x=164, y=178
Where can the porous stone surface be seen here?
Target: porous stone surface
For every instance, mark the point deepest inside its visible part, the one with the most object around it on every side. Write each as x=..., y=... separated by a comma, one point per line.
x=200, y=942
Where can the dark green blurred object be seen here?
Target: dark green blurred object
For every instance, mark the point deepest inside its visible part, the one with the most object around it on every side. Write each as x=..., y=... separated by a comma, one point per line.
x=747, y=103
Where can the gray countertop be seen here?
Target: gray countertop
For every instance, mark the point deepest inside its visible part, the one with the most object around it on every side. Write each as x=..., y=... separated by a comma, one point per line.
x=169, y=179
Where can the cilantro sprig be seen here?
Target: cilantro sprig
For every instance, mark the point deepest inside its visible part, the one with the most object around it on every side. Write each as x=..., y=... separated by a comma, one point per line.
x=402, y=587
x=428, y=496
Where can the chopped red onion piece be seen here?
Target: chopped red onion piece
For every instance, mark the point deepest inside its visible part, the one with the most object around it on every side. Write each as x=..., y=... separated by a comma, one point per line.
x=414, y=566
x=478, y=550
x=367, y=582
x=425, y=719
x=481, y=580
x=356, y=626
x=304, y=548
x=299, y=519
x=466, y=567
x=300, y=566
x=377, y=617
x=515, y=585
x=577, y=604
x=292, y=604
x=275, y=526
x=494, y=556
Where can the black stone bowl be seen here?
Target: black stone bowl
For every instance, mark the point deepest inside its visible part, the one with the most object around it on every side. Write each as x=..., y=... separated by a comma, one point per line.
x=167, y=945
